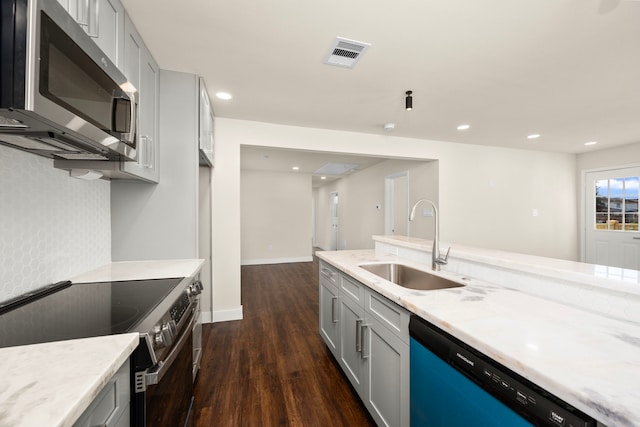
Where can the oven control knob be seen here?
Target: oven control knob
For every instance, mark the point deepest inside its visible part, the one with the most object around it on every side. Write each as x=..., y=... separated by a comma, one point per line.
x=195, y=288
x=164, y=337
x=198, y=285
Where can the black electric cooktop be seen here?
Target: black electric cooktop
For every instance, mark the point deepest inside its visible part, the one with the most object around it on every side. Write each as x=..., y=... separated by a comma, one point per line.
x=83, y=310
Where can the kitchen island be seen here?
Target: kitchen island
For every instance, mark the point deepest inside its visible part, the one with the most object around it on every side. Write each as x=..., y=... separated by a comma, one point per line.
x=573, y=350
x=53, y=383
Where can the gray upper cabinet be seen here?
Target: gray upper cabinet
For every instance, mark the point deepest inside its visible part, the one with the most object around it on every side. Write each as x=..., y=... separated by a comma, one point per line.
x=143, y=72
x=205, y=126
x=103, y=20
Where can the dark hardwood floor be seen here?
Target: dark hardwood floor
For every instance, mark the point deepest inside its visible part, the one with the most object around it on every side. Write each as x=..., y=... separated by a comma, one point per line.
x=272, y=368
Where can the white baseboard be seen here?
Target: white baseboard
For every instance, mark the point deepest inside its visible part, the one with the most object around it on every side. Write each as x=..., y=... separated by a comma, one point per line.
x=275, y=260
x=227, y=315
x=206, y=317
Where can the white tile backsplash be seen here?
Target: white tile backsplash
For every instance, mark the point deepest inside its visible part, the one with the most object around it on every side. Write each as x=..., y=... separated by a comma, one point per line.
x=52, y=226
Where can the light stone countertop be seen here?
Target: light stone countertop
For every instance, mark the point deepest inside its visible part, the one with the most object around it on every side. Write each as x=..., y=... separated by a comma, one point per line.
x=141, y=270
x=51, y=384
x=589, y=360
x=613, y=278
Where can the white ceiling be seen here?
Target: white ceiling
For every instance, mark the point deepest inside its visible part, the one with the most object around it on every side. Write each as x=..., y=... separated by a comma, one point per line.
x=566, y=69
x=307, y=162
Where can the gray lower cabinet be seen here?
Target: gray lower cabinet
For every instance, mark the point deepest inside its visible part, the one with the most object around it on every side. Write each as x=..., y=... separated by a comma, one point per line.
x=372, y=347
x=111, y=407
x=329, y=321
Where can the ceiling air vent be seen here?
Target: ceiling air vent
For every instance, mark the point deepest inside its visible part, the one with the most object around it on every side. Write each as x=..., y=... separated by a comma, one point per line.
x=345, y=52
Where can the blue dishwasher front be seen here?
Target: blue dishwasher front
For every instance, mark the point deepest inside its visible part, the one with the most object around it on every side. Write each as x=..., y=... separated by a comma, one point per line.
x=453, y=385
x=442, y=396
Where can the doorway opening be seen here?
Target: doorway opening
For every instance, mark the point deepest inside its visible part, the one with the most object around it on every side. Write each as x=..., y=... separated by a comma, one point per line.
x=396, y=197
x=333, y=206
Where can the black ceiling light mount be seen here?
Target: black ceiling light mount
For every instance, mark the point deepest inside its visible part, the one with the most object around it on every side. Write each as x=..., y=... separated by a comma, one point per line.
x=408, y=101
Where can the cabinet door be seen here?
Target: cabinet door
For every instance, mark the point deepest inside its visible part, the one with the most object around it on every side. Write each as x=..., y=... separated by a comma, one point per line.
x=329, y=316
x=111, y=407
x=103, y=20
x=65, y=5
x=105, y=23
x=387, y=368
x=205, y=125
x=353, y=365
x=143, y=72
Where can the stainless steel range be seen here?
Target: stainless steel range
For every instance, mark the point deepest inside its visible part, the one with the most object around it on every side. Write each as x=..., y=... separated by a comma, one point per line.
x=164, y=313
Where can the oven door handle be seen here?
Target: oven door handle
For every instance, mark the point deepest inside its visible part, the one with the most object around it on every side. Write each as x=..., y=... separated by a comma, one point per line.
x=151, y=378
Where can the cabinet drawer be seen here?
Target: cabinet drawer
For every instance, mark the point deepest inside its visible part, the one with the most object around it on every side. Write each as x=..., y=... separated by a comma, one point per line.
x=329, y=273
x=391, y=315
x=352, y=289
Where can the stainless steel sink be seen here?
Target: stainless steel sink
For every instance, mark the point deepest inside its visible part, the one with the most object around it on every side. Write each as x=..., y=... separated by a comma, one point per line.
x=408, y=277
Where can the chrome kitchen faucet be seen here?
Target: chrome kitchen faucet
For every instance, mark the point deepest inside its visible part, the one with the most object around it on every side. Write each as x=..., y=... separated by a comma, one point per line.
x=436, y=259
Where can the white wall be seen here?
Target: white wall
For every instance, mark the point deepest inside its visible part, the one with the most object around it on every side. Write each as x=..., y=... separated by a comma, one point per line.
x=52, y=227
x=360, y=193
x=486, y=194
x=276, y=217
x=610, y=158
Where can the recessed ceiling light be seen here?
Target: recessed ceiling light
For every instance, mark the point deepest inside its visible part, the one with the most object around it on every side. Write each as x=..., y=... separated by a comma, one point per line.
x=463, y=127
x=295, y=168
x=224, y=95
x=533, y=136
x=591, y=143
x=389, y=127
x=323, y=177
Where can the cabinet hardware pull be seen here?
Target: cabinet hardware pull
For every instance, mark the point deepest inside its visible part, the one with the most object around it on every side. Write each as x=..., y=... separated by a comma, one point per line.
x=363, y=345
x=333, y=309
x=636, y=238
x=327, y=272
x=87, y=16
x=359, y=336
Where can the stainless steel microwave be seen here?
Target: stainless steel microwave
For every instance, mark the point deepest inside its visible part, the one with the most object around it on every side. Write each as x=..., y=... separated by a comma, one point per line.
x=60, y=95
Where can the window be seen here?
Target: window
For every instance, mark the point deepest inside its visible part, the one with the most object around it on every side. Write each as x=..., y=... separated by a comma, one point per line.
x=617, y=204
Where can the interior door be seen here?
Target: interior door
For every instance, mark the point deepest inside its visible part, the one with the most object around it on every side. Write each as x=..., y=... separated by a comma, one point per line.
x=333, y=203
x=611, y=218
x=396, y=197
x=401, y=205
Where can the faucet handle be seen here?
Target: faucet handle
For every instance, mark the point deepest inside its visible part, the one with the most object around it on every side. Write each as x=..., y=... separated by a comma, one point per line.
x=443, y=261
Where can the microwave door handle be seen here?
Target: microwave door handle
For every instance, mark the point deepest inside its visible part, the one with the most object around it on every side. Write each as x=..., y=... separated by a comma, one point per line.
x=132, y=116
